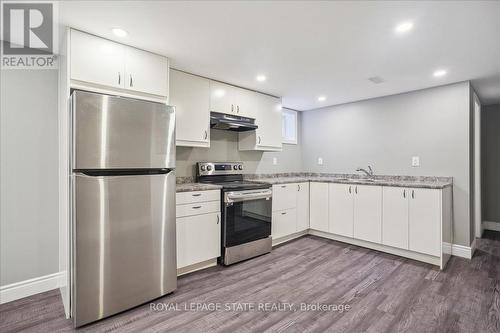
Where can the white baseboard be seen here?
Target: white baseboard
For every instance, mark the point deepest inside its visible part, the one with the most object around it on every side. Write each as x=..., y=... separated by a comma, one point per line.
x=463, y=251
x=490, y=225
x=26, y=288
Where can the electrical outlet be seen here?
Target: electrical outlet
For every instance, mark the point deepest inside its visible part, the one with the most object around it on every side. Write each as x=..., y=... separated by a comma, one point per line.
x=415, y=161
x=320, y=161
x=275, y=161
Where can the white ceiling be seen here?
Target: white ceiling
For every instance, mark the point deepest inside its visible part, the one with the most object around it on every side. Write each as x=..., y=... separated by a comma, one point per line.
x=309, y=48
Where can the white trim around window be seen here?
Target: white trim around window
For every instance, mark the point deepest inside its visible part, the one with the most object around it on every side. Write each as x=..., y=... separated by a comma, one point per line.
x=289, y=126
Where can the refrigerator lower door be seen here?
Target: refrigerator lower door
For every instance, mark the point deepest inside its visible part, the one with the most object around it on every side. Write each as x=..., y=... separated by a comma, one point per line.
x=124, y=250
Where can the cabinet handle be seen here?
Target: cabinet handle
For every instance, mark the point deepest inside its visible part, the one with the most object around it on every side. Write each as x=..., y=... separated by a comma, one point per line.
x=232, y=108
x=206, y=134
x=259, y=140
x=404, y=193
x=196, y=207
x=350, y=190
x=131, y=81
x=217, y=218
x=196, y=194
x=298, y=187
x=356, y=190
x=283, y=186
x=237, y=109
x=283, y=213
x=413, y=194
x=119, y=78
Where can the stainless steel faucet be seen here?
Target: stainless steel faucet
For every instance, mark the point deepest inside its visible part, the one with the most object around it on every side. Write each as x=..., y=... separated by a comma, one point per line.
x=369, y=173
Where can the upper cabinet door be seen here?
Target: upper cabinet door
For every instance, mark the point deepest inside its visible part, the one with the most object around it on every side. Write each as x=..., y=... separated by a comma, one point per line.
x=97, y=60
x=222, y=98
x=368, y=213
x=190, y=95
x=146, y=72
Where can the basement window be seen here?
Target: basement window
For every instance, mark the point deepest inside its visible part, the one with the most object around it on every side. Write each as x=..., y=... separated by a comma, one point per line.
x=289, y=126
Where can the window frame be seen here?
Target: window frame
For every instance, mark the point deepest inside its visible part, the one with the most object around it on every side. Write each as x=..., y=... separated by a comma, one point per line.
x=283, y=117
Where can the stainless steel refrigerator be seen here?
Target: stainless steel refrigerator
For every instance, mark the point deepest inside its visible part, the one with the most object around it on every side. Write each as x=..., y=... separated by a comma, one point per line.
x=123, y=204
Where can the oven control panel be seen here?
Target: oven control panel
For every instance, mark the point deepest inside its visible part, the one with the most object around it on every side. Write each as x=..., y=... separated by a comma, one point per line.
x=219, y=168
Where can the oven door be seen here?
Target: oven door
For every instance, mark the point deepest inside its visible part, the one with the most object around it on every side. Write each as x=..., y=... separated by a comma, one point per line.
x=247, y=216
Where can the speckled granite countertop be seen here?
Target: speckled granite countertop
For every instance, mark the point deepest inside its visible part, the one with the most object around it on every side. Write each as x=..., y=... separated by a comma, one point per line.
x=189, y=187
x=397, y=181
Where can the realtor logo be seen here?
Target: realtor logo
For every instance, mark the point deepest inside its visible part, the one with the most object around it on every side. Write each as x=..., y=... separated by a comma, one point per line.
x=27, y=28
x=28, y=35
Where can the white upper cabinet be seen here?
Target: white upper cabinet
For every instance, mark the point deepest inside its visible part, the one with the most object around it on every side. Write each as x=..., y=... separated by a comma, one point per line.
x=190, y=94
x=368, y=213
x=98, y=61
x=341, y=209
x=268, y=135
x=232, y=100
x=146, y=72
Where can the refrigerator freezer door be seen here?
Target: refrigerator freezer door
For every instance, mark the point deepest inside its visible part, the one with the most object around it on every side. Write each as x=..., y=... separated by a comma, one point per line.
x=124, y=243
x=111, y=132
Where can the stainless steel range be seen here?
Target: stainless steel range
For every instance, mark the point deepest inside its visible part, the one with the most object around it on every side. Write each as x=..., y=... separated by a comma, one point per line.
x=246, y=211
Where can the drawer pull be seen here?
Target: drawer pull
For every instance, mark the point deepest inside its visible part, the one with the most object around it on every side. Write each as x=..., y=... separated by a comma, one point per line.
x=284, y=213
x=217, y=219
x=197, y=195
x=196, y=207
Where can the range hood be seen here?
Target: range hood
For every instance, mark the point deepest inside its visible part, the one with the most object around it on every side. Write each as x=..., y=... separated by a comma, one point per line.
x=228, y=122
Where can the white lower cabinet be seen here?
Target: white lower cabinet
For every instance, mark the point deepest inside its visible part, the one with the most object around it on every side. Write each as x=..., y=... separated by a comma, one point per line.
x=284, y=223
x=290, y=209
x=198, y=239
x=395, y=217
x=302, y=206
x=198, y=227
x=424, y=227
x=341, y=209
x=318, y=206
x=368, y=213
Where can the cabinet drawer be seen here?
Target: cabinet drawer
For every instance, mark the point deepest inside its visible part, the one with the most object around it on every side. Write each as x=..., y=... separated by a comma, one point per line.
x=197, y=208
x=284, y=223
x=284, y=196
x=197, y=196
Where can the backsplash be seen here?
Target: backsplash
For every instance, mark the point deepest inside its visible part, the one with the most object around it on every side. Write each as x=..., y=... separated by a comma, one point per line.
x=224, y=148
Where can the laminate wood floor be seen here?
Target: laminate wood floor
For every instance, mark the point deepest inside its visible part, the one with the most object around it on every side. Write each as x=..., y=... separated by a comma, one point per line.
x=385, y=293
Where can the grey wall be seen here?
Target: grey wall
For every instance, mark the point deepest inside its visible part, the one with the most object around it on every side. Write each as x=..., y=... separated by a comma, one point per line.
x=224, y=148
x=29, y=175
x=490, y=162
x=386, y=132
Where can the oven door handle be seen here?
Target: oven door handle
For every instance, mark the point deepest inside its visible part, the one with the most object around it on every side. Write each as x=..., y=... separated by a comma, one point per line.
x=238, y=197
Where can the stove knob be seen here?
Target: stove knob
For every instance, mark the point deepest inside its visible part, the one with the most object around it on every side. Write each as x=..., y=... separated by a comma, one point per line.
x=240, y=167
x=203, y=168
x=235, y=167
x=209, y=168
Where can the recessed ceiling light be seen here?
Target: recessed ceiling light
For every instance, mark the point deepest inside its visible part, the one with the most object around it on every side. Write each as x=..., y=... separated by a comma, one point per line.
x=261, y=78
x=403, y=27
x=439, y=73
x=119, y=32
x=321, y=98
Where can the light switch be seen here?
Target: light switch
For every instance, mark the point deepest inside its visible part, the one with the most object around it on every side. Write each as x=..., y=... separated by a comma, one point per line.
x=275, y=161
x=415, y=161
x=320, y=161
